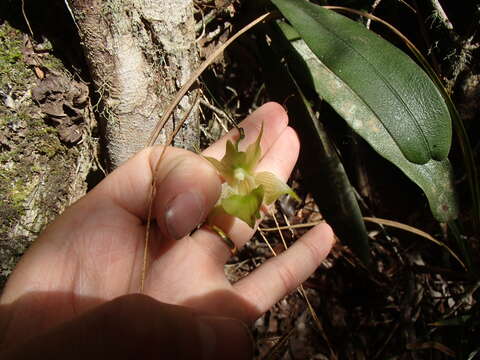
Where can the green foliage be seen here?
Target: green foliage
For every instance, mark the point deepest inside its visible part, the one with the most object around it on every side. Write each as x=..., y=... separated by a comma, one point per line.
x=324, y=175
x=435, y=178
x=334, y=189
x=404, y=120
x=397, y=91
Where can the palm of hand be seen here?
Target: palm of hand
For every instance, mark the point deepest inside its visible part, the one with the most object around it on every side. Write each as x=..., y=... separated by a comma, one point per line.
x=94, y=252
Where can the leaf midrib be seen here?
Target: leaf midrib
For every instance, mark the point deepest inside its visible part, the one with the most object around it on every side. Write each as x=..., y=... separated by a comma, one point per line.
x=384, y=80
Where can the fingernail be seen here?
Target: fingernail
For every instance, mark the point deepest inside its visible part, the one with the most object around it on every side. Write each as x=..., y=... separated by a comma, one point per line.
x=221, y=336
x=184, y=212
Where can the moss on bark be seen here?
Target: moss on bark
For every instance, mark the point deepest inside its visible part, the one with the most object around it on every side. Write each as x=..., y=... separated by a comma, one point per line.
x=39, y=175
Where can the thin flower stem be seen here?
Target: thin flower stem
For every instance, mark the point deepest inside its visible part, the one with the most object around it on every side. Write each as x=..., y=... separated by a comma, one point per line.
x=153, y=191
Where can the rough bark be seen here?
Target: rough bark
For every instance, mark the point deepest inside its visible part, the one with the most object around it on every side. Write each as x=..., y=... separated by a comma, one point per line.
x=140, y=52
x=46, y=148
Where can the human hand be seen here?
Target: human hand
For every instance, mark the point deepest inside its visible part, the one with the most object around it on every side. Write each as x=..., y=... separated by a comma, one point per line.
x=65, y=298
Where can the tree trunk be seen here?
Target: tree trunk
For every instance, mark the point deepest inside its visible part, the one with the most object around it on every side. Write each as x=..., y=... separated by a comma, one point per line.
x=139, y=52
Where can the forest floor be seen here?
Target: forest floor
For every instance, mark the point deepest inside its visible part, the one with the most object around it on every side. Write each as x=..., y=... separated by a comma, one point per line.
x=409, y=305
x=412, y=304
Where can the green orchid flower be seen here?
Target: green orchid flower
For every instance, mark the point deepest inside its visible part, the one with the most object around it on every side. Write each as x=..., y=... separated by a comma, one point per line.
x=245, y=191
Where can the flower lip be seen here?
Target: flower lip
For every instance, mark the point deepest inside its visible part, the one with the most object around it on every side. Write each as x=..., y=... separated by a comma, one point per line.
x=239, y=174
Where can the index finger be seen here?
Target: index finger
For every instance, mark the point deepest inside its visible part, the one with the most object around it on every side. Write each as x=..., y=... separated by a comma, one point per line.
x=274, y=120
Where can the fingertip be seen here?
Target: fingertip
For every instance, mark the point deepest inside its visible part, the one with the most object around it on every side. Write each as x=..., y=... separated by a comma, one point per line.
x=282, y=155
x=291, y=133
x=274, y=120
x=281, y=274
x=274, y=110
x=325, y=231
x=290, y=140
x=319, y=240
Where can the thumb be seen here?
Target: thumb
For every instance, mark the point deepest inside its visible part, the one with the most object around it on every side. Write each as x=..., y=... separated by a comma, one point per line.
x=139, y=327
x=187, y=187
x=185, y=194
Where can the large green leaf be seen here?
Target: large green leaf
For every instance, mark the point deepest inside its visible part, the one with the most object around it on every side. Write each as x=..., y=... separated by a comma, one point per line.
x=435, y=178
x=397, y=92
x=323, y=173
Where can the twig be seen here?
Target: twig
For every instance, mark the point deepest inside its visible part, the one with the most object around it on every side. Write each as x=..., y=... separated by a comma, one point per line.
x=427, y=39
x=295, y=226
x=278, y=228
x=202, y=24
x=303, y=293
x=274, y=351
x=387, y=341
x=407, y=5
x=218, y=111
x=377, y=2
x=211, y=15
x=464, y=298
x=386, y=222
x=441, y=15
x=26, y=19
x=181, y=93
x=72, y=15
x=317, y=322
x=267, y=242
x=372, y=9
x=205, y=21
x=285, y=218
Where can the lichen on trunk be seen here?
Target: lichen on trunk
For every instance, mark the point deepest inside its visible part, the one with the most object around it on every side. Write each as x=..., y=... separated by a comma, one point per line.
x=139, y=52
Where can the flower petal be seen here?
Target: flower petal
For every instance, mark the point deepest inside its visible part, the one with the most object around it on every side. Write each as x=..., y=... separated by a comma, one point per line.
x=253, y=153
x=273, y=187
x=225, y=171
x=245, y=207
